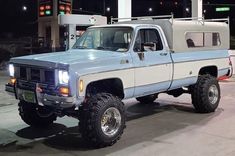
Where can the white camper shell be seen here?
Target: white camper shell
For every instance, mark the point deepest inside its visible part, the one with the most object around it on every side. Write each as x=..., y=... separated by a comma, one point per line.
x=188, y=34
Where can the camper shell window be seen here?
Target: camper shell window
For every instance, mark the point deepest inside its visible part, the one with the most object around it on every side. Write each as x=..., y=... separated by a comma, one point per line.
x=202, y=39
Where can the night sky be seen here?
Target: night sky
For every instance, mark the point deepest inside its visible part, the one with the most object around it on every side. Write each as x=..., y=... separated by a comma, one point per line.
x=16, y=22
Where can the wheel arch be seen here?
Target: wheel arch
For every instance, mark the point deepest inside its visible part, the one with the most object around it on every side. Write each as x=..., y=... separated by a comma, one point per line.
x=112, y=85
x=211, y=70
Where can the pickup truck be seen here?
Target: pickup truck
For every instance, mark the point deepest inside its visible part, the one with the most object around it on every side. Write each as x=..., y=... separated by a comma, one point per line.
x=138, y=59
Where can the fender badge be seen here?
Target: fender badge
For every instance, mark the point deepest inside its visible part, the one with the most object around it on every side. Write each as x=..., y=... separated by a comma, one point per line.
x=124, y=61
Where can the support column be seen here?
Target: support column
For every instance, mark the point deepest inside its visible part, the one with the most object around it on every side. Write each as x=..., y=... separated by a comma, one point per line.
x=71, y=36
x=124, y=8
x=41, y=29
x=196, y=8
x=55, y=38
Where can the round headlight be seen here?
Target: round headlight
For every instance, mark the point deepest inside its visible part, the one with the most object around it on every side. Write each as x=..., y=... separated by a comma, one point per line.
x=11, y=70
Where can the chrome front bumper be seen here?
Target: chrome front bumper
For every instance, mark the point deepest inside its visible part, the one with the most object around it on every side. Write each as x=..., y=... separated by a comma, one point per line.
x=58, y=101
x=42, y=98
x=10, y=89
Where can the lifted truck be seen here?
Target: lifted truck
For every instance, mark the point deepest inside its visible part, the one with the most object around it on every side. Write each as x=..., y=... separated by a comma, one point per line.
x=139, y=58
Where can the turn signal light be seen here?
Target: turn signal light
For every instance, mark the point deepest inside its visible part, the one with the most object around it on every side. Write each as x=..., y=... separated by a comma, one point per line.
x=64, y=91
x=81, y=85
x=12, y=81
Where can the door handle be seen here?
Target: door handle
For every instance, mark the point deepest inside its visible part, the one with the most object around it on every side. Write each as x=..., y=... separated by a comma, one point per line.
x=163, y=54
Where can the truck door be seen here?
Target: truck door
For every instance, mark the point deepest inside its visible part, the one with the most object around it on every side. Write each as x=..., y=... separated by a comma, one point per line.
x=153, y=64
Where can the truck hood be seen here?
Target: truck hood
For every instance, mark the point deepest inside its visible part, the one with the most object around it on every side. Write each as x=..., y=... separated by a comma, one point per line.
x=71, y=57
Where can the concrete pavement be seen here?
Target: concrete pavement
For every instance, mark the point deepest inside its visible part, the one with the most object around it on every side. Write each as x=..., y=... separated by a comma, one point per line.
x=167, y=127
x=5, y=99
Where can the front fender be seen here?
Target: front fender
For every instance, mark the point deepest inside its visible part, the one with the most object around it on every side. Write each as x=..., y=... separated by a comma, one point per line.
x=125, y=75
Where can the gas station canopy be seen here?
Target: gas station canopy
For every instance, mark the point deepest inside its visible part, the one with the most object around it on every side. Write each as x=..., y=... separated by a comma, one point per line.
x=82, y=20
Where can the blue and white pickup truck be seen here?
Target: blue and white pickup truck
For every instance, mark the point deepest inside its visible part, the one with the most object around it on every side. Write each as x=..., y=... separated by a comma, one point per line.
x=133, y=59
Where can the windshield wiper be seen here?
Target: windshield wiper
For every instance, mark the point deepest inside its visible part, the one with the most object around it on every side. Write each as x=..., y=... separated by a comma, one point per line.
x=100, y=48
x=103, y=48
x=80, y=47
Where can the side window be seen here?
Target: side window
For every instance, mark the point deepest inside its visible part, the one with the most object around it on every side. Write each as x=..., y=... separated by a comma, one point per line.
x=154, y=38
x=148, y=40
x=216, y=39
x=194, y=39
x=202, y=39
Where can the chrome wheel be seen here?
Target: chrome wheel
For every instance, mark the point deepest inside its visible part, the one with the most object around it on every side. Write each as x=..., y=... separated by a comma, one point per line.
x=213, y=94
x=111, y=121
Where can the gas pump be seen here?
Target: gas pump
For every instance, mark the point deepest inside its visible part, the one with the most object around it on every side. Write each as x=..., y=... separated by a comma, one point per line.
x=72, y=21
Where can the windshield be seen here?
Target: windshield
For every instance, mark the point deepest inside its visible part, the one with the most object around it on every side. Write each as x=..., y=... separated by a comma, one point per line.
x=106, y=38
